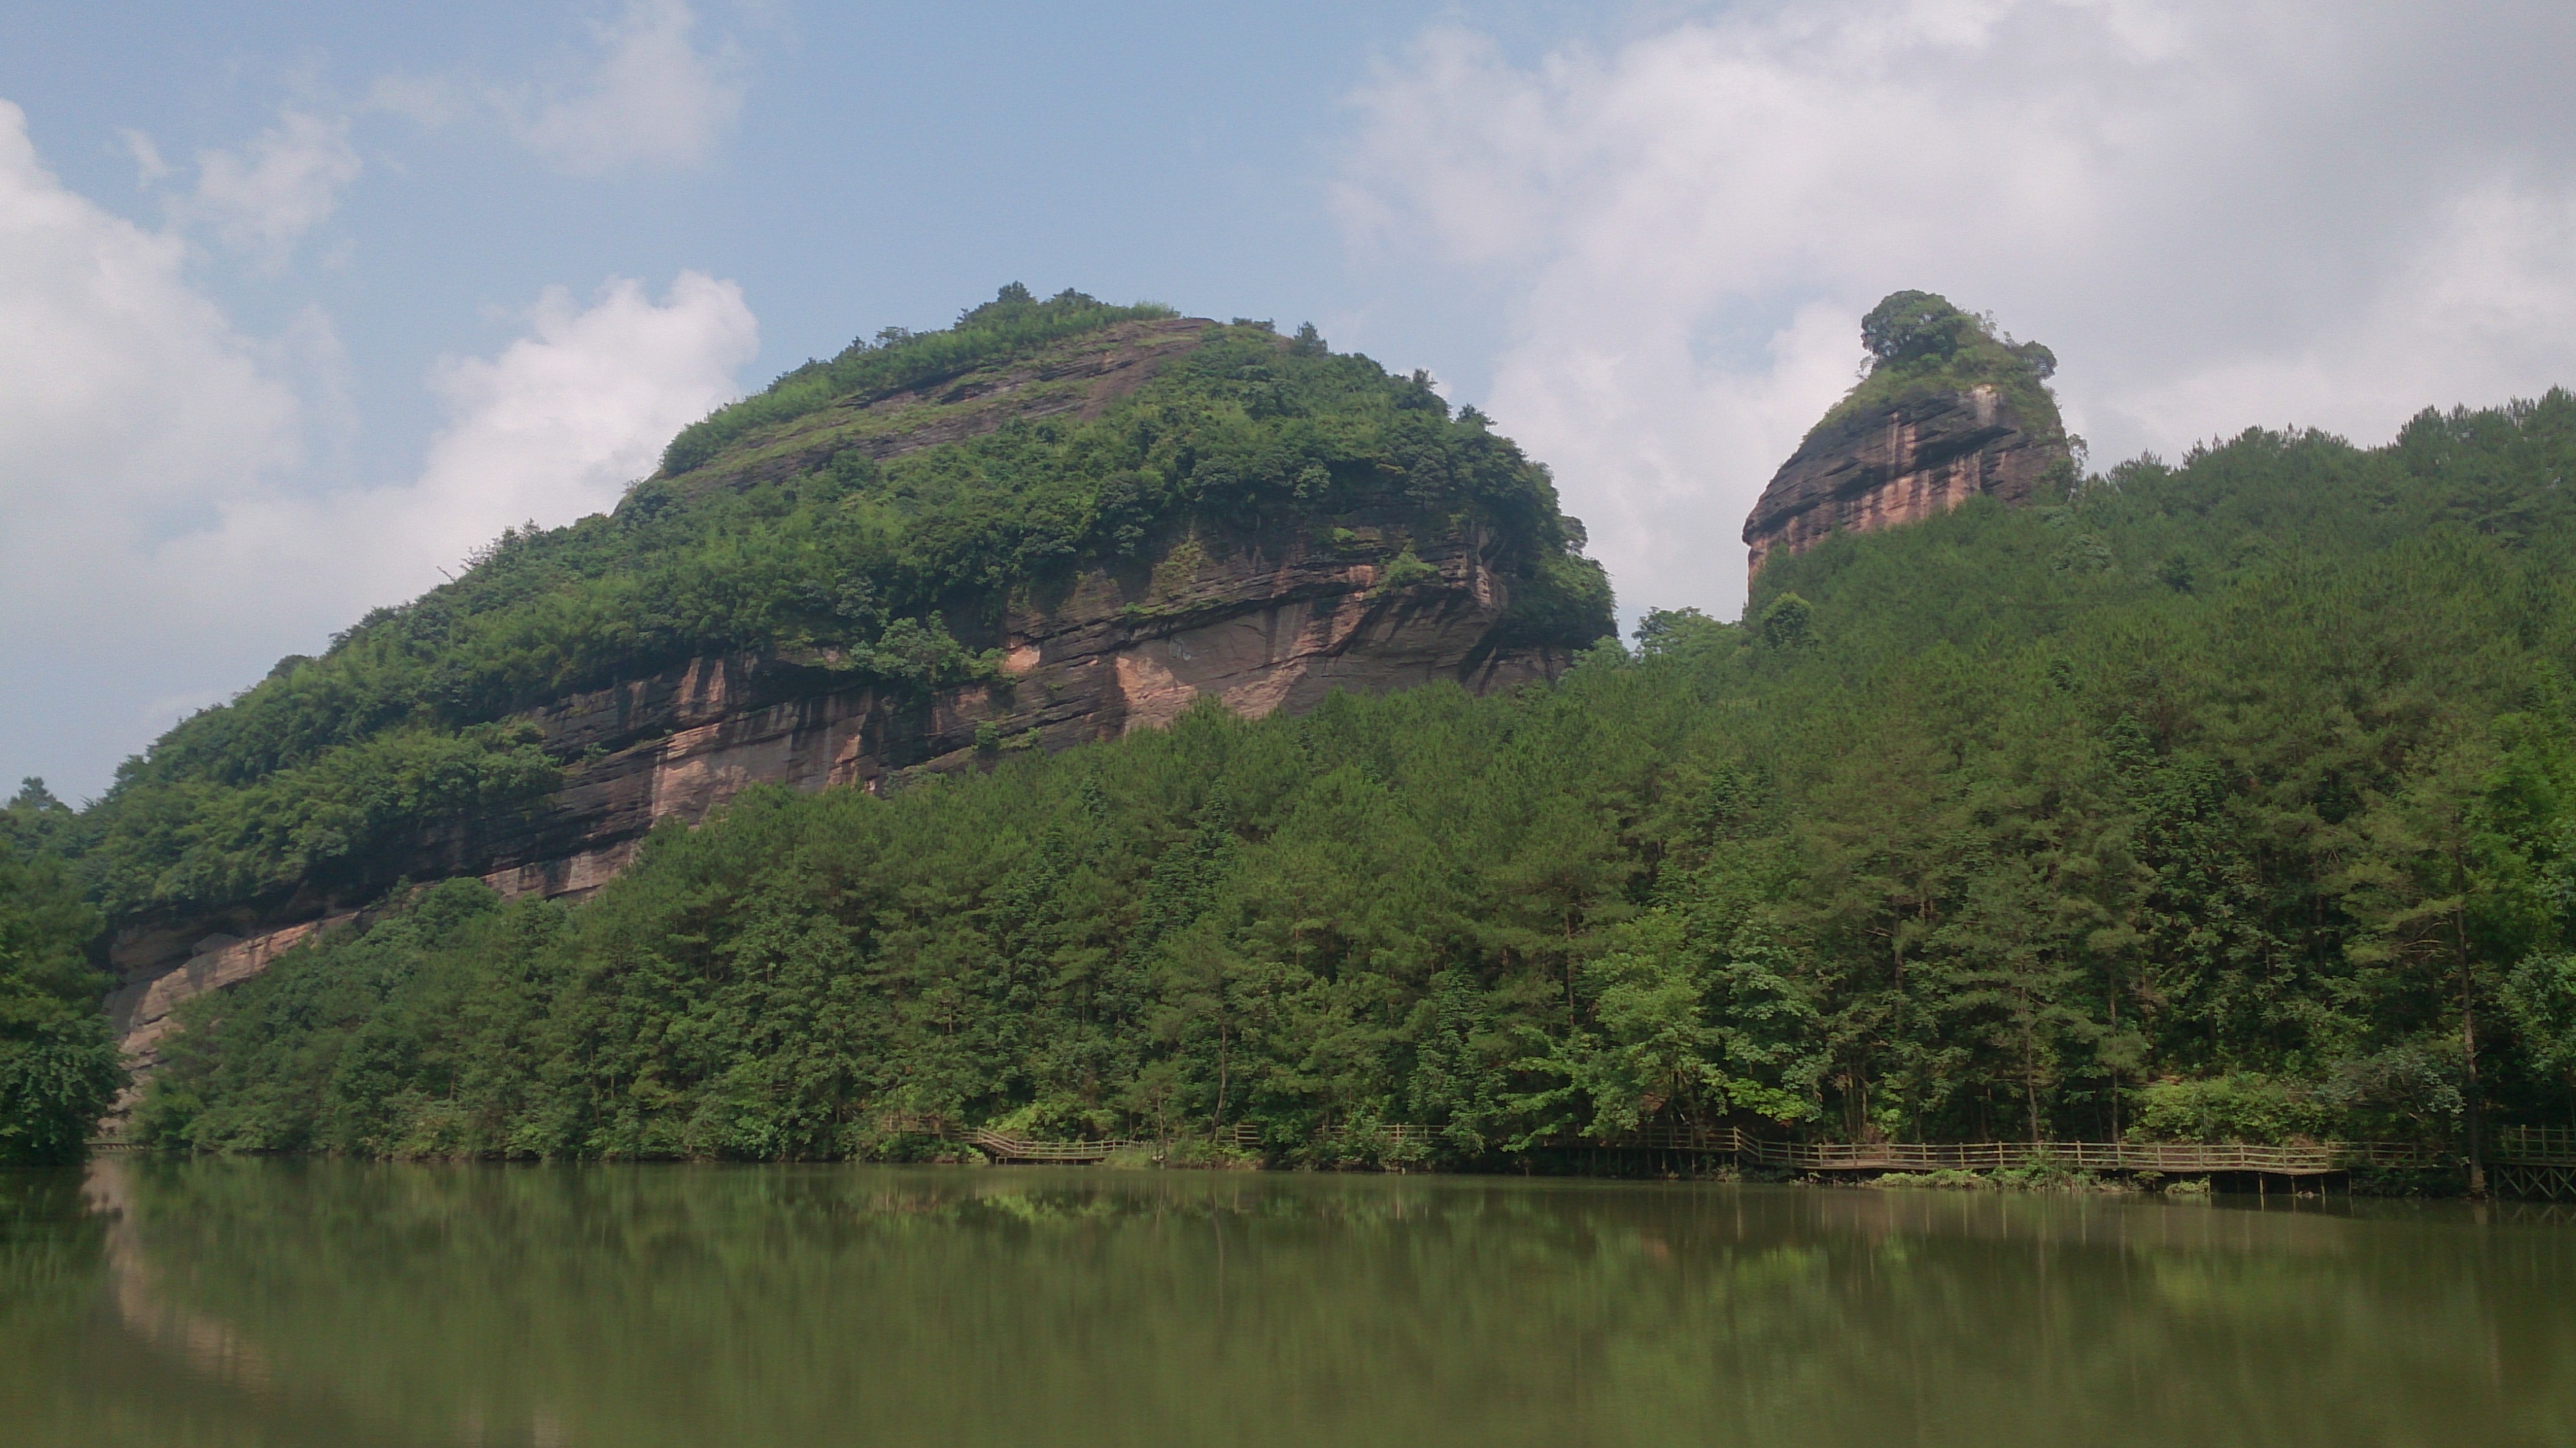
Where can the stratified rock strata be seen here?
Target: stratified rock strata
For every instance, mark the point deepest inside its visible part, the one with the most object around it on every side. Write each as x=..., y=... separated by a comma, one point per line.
x=1262, y=619
x=1260, y=625
x=1899, y=464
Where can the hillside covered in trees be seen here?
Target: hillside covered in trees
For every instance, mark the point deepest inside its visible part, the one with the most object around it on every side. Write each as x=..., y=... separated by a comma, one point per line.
x=873, y=522
x=58, y=1066
x=2233, y=799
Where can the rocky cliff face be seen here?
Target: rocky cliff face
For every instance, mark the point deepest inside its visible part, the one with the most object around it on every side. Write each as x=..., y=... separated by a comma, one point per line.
x=1256, y=624
x=1880, y=467
x=1258, y=621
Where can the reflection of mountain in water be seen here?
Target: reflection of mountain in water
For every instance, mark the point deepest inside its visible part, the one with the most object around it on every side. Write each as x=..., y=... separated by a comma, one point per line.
x=210, y=1347
x=321, y=1302
x=175, y=1373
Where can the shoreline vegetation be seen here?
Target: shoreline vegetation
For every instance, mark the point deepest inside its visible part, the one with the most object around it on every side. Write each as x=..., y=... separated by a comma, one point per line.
x=2227, y=799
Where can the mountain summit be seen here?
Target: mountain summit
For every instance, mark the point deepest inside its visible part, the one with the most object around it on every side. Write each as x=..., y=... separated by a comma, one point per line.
x=1949, y=410
x=1057, y=521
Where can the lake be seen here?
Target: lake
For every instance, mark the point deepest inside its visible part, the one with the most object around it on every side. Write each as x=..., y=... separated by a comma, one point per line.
x=281, y=1302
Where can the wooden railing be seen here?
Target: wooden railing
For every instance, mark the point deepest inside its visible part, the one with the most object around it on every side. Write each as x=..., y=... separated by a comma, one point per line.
x=2533, y=1146
x=1004, y=1146
x=2170, y=1158
x=1392, y=1134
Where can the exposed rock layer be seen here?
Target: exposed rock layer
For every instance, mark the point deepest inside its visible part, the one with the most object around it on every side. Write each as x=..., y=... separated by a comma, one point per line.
x=1260, y=623
x=1883, y=467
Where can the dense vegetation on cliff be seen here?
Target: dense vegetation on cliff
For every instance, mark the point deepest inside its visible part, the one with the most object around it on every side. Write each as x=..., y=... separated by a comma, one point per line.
x=896, y=571
x=2233, y=800
x=1921, y=345
x=58, y=1068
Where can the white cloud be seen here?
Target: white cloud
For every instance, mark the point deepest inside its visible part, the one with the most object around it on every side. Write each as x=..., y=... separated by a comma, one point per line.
x=652, y=96
x=2217, y=214
x=560, y=421
x=148, y=165
x=161, y=540
x=656, y=97
x=127, y=401
x=263, y=198
x=125, y=396
x=552, y=427
x=425, y=100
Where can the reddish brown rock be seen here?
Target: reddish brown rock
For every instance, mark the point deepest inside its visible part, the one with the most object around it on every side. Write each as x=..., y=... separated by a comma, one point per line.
x=1886, y=466
x=1259, y=623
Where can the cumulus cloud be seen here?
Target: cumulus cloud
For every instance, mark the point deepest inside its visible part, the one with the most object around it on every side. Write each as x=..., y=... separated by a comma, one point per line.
x=566, y=416
x=127, y=400
x=653, y=95
x=2218, y=214
x=655, y=98
x=126, y=397
x=263, y=198
x=552, y=427
x=160, y=539
x=548, y=429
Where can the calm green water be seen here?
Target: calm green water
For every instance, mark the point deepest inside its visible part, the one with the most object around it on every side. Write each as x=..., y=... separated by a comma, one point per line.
x=222, y=1303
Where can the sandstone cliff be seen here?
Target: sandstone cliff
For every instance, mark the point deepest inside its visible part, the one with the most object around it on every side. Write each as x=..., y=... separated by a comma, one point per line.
x=1949, y=412
x=1257, y=624
x=1900, y=464
x=1259, y=613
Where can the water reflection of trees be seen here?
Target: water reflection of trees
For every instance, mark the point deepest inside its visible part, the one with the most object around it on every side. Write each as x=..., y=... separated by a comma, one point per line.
x=51, y=1265
x=674, y=1305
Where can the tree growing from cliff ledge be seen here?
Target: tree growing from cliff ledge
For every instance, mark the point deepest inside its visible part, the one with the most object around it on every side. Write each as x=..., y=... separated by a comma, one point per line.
x=1907, y=326
x=1919, y=343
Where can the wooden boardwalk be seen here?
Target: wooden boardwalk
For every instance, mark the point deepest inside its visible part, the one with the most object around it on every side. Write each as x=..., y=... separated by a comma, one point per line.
x=2169, y=1158
x=2536, y=1163
x=2531, y=1162
x=2534, y=1146
x=2121, y=1157
x=1003, y=1146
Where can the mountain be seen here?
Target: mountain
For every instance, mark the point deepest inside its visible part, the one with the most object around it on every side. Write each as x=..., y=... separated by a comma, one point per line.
x=1948, y=411
x=2224, y=799
x=1056, y=522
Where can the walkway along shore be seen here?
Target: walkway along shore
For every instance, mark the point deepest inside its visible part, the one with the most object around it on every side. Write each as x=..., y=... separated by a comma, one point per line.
x=2535, y=1163
x=2529, y=1162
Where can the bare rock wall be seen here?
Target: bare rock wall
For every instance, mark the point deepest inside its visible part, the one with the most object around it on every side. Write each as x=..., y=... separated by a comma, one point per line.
x=1900, y=465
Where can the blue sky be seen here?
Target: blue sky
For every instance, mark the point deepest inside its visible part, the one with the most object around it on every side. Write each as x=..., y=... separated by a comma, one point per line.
x=299, y=302
x=883, y=165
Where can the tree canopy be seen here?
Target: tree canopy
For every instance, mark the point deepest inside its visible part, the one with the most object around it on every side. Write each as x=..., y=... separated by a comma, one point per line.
x=1919, y=344
x=58, y=1068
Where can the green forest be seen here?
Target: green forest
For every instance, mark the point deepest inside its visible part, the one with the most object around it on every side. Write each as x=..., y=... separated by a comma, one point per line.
x=1920, y=345
x=58, y=1066
x=2231, y=799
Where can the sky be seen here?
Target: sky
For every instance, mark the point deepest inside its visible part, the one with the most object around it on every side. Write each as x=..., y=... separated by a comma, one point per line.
x=302, y=303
